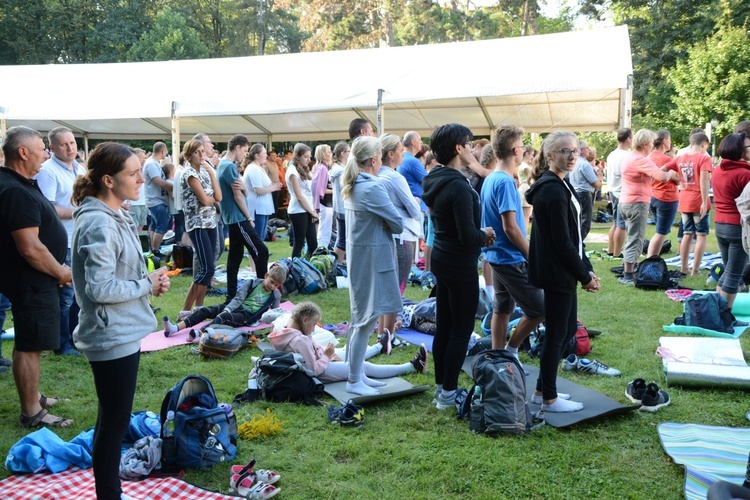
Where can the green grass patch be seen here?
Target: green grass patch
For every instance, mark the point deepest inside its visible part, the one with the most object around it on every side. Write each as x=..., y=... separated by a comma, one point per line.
x=407, y=447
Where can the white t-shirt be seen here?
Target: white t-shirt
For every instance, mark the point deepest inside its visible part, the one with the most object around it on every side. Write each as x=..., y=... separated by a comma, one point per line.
x=256, y=177
x=177, y=193
x=614, y=170
x=295, y=207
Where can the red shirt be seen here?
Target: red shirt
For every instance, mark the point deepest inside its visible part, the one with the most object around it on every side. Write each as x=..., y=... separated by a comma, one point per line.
x=690, y=166
x=663, y=191
x=729, y=179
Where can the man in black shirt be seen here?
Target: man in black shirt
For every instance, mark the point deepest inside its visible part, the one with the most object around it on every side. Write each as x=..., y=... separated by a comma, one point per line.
x=33, y=245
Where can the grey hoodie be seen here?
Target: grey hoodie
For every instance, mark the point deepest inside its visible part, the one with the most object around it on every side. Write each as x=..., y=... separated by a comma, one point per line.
x=111, y=283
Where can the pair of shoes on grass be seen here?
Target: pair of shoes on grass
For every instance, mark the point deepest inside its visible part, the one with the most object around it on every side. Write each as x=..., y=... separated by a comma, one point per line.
x=256, y=484
x=349, y=415
x=589, y=366
x=649, y=396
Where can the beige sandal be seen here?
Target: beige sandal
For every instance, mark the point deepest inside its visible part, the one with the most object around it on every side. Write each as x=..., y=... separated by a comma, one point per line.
x=34, y=421
x=45, y=402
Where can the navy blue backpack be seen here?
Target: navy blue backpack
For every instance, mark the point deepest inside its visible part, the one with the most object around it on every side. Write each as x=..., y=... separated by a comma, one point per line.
x=201, y=435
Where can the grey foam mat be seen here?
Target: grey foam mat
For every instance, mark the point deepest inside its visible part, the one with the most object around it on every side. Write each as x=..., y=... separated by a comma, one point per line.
x=595, y=404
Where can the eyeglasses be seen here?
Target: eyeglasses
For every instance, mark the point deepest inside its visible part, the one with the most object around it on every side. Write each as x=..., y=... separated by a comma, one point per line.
x=516, y=147
x=568, y=152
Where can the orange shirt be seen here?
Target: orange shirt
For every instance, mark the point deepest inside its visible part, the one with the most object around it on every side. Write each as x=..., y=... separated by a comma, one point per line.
x=663, y=191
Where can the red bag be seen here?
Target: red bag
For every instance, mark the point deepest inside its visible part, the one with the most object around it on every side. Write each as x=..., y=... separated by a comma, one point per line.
x=582, y=341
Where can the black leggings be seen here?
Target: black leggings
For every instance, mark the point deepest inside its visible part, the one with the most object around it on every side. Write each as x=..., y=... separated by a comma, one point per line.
x=242, y=235
x=457, y=298
x=115, y=387
x=560, y=317
x=304, y=229
x=238, y=317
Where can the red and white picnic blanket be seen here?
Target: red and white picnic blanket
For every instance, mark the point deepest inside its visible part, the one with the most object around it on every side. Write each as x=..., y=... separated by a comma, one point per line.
x=78, y=484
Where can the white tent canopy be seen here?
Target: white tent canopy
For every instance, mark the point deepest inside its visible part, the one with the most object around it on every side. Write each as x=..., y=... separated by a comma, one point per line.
x=534, y=82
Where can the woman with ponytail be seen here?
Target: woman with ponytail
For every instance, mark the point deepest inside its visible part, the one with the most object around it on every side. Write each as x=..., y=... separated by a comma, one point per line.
x=112, y=288
x=371, y=222
x=557, y=261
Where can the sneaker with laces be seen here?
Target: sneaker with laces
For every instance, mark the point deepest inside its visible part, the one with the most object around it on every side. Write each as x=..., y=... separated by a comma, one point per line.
x=635, y=390
x=183, y=314
x=654, y=398
x=349, y=415
x=626, y=280
x=570, y=364
x=385, y=342
x=420, y=360
x=443, y=403
x=594, y=367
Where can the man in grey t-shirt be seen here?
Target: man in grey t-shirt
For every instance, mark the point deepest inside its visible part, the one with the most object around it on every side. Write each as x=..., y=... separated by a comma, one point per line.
x=157, y=197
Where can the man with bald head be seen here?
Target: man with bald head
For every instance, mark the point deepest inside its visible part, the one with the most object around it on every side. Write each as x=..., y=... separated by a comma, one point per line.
x=56, y=183
x=33, y=245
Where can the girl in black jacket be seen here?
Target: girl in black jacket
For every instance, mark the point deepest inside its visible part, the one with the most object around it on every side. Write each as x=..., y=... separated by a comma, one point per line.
x=557, y=262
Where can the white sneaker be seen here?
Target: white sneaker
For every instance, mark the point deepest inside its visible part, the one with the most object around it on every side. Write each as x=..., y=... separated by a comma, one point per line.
x=594, y=367
x=570, y=364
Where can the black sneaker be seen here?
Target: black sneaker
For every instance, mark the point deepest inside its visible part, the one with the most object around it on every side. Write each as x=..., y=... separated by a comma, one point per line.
x=653, y=398
x=419, y=362
x=635, y=390
x=385, y=342
x=5, y=362
x=349, y=415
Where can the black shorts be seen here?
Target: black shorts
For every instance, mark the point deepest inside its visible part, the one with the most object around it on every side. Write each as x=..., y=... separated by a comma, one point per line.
x=36, y=319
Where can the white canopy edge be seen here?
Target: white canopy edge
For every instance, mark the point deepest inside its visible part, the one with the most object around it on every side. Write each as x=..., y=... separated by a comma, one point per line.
x=534, y=82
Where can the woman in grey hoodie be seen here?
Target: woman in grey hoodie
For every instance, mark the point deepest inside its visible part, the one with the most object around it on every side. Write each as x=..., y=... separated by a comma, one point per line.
x=112, y=287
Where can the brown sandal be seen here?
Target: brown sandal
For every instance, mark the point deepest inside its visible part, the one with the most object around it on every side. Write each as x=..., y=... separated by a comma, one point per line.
x=34, y=421
x=45, y=403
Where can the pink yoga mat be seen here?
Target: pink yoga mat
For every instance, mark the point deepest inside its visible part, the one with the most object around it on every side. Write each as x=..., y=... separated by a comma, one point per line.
x=156, y=341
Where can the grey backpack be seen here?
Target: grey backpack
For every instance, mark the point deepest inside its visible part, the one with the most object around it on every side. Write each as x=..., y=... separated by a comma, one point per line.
x=498, y=398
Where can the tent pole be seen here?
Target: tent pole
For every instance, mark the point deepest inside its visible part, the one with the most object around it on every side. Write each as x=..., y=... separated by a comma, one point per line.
x=626, y=103
x=269, y=142
x=380, y=112
x=86, y=147
x=3, y=124
x=175, y=134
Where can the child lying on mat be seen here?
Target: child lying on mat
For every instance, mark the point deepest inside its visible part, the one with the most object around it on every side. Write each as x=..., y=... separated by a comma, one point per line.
x=253, y=299
x=329, y=366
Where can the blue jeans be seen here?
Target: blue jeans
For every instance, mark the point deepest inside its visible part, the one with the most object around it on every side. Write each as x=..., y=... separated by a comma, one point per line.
x=665, y=212
x=4, y=306
x=67, y=295
x=261, y=226
x=729, y=237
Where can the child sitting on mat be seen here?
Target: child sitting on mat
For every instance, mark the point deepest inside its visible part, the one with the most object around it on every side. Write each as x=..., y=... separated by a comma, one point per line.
x=253, y=299
x=327, y=365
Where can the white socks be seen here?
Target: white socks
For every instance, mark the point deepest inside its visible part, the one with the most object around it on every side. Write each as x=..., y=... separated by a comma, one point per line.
x=169, y=328
x=514, y=350
x=491, y=290
x=361, y=389
x=370, y=382
x=563, y=406
x=537, y=400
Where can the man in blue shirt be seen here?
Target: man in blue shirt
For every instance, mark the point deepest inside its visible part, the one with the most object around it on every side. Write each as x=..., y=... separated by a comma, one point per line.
x=411, y=168
x=585, y=180
x=501, y=209
x=236, y=216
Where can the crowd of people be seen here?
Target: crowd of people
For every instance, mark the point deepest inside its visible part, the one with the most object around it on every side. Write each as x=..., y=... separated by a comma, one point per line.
x=77, y=282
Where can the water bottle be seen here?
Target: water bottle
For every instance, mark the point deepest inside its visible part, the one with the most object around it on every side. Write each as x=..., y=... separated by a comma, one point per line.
x=477, y=398
x=232, y=420
x=169, y=425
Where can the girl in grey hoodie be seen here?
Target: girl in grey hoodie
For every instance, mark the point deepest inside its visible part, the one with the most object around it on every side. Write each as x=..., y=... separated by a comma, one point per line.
x=112, y=288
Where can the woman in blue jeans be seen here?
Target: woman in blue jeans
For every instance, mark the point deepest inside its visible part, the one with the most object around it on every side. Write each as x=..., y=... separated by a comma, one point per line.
x=456, y=213
x=729, y=180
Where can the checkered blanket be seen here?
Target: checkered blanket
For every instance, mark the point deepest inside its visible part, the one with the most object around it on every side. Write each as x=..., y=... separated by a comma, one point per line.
x=78, y=484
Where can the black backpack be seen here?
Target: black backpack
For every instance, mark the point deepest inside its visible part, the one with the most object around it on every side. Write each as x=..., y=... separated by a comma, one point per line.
x=498, y=398
x=282, y=376
x=202, y=433
x=653, y=274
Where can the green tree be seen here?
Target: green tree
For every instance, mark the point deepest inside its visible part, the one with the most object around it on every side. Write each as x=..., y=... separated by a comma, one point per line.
x=170, y=38
x=713, y=81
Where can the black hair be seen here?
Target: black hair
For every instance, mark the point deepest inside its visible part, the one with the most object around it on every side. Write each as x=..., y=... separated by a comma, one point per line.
x=445, y=138
x=732, y=147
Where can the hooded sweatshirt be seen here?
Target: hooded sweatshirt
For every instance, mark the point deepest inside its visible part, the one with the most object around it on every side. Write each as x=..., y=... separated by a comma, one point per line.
x=292, y=340
x=456, y=215
x=728, y=181
x=111, y=283
x=556, y=261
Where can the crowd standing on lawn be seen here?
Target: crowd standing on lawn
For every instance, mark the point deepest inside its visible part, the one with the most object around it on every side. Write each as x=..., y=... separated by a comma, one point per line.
x=375, y=192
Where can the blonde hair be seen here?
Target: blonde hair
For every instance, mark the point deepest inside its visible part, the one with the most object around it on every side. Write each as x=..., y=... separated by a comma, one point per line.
x=278, y=274
x=364, y=148
x=321, y=151
x=389, y=142
x=304, y=310
x=643, y=137
x=541, y=164
x=487, y=158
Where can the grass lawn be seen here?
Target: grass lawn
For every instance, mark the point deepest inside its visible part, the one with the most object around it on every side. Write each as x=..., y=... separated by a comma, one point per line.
x=407, y=448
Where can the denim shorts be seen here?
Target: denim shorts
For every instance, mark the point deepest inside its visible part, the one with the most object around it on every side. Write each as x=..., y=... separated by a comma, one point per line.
x=693, y=224
x=619, y=221
x=664, y=212
x=159, y=218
